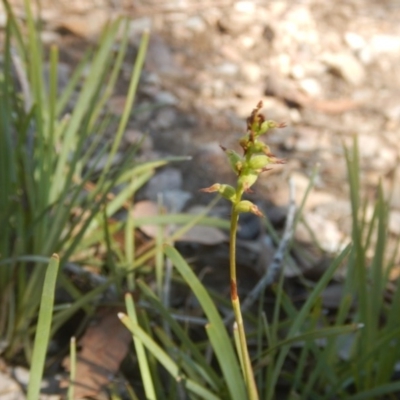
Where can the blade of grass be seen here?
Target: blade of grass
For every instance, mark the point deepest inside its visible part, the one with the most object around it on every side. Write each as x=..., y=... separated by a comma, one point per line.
x=72, y=373
x=165, y=359
x=140, y=352
x=302, y=315
x=130, y=97
x=219, y=337
x=43, y=329
x=212, y=377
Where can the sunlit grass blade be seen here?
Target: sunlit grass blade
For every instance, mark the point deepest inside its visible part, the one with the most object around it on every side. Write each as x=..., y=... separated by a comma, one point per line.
x=141, y=353
x=302, y=315
x=72, y=373
x=168, y=363
x=212, y=377
x=130, y=98
x=43, y=329
x=219, y=337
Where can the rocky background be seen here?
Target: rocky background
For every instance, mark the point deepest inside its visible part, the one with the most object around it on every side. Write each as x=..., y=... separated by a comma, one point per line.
x=328, y=69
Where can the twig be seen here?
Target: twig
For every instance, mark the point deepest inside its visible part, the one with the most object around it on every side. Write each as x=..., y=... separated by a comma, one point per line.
x=276, y=264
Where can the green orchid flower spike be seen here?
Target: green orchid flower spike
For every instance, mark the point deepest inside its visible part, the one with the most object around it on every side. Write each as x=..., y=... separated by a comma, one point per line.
x=256, y=158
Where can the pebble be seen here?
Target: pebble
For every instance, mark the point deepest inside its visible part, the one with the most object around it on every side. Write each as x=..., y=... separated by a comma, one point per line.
x=369, y=145
x=176, y=199
x=3, y=19
x=88, y=25
x=159, y=58
x=394, y=222
x=227, y=69
x=251, y=72
x=137, y=26
x=386, y=159
x=167, y=179
x=164, y=119
x=327, y=232
x=354, y=41
x=311, y=86
x=196, y=24
x=165, y=98
x=385, y=44
x=10, y=389
x=246, y=7
x=347, y=66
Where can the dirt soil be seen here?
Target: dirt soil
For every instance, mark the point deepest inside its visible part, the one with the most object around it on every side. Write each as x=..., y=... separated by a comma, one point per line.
x=328, y=69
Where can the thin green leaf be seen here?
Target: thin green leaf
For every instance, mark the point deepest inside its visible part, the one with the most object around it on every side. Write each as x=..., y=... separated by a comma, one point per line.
x=219, y=338
x=43, y=329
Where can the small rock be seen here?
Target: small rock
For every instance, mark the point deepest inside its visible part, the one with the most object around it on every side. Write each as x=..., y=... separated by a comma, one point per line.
x=354, y=41
x=164, y=119
x=165, y=180
x=165, y=98
x=22, y=375
x=385, y=160
x=246, y=7
x=196, y=24
x=390, y=106
x=311, y=86
x=10, y=389
x=175, y=200
x=325, y=231
x=308, y=139
x=388, y=44
x=137, y=27
x=3, y=20
x=88, y=25
x=369, y=145
x=251, y=72
x=298, y=72
x=394, y=222
x=347, y=66
x=236, y=22
x=159, y=58
x=392, y=191
x=227, y=69
x=49, y=37
x=295, y=115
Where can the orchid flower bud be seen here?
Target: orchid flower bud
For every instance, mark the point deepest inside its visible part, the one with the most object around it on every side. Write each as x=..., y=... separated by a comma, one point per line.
x=247, y=178
x=247, y=206
x=226, y=191
x=235, y=160
x=258, y=147
x=259, y=162
x=265, y=127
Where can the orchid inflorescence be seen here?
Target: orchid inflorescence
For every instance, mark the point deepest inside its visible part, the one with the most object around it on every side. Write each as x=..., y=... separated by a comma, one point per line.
x=256, y=158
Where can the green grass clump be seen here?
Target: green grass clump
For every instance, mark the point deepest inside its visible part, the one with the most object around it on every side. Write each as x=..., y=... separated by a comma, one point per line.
x=52, y=197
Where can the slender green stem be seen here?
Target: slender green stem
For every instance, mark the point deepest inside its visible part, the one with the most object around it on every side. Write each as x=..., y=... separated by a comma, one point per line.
x=247, y=368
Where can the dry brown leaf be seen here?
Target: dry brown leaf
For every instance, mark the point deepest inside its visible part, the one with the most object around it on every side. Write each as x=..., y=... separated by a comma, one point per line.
x=87, y=26
x=147, y=208
x=103, y=347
